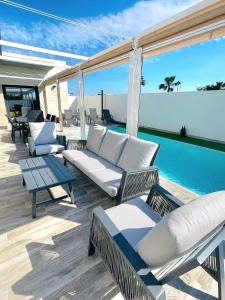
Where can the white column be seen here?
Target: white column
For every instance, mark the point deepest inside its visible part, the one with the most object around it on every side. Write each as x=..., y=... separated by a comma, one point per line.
x=45, y=101
x=59, y=106
x=134, y=91
x=81, y=105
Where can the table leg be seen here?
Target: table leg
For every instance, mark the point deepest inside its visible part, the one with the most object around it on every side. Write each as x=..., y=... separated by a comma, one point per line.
x=34, y=205
x=71, y=192
x=23, y=182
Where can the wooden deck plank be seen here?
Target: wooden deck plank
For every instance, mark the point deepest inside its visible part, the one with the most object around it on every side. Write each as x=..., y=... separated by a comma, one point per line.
x=47, y=258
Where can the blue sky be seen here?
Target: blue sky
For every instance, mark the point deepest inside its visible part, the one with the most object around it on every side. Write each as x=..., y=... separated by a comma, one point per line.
x=193, y=66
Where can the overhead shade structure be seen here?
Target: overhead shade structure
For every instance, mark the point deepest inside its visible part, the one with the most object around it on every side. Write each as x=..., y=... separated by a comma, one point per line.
x=110, y=57
x=104, y=60
x=201, y=22
x=196, y=17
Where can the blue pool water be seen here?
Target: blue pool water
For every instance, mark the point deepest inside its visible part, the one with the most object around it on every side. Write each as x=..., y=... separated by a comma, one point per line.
x=199, y=169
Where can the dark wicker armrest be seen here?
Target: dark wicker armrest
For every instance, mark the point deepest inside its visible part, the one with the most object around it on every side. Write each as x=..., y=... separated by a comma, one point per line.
x=136, y=182
x=131, y=273
x=61, y=140
x=162, y=201
x=76, y=144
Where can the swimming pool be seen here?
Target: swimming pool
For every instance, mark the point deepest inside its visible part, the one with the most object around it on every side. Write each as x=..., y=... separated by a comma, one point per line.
x=198, y=169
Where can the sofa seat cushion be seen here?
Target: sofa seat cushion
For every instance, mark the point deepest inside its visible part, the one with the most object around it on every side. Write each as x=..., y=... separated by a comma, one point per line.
x=134, y=219
x=108, y=179
x=95, y=138
x=112, y=146
x=183, y=229
x=43, y=132
x=73, y=155
x=48, y=149
x=87, y=165
x=137, y=154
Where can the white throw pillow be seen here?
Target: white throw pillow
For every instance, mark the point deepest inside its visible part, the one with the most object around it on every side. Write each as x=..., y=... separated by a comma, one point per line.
x=137, y=154
x=43, y=132
x=112, y=146
x=183, y=229
x=95, y=138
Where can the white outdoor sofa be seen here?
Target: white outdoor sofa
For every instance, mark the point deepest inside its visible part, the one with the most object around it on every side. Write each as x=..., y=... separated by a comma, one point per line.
x=43, y=139
x=119, y=164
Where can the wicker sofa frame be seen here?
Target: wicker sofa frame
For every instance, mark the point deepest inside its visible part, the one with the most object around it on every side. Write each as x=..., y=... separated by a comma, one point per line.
x=131, y=273
x=133, y=183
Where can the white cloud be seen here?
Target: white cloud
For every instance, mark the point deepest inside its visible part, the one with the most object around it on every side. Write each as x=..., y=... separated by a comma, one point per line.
x=62, y=36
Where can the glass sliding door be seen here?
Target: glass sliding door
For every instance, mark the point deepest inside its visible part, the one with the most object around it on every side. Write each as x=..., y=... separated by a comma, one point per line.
x=20, y=99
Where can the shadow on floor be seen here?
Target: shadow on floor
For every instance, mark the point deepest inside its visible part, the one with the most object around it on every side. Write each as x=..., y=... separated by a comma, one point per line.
x=62, y=270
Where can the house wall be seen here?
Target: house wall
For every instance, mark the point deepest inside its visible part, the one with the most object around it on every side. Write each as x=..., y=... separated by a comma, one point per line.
x=32, y=72
x=203, y=113
x=52, y=101
x=3, y=120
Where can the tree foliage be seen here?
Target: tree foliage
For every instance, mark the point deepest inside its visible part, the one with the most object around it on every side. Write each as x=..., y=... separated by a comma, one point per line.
x=169, y=84
x=219, y=85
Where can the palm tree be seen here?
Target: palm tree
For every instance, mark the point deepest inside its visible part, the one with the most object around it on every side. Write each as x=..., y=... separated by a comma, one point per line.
x=169, y=84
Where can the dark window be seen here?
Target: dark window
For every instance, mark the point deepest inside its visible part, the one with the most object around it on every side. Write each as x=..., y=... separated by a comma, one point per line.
x=17, y=97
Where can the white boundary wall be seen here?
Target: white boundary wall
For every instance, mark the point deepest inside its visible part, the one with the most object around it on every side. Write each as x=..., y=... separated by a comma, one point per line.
x=203, y=113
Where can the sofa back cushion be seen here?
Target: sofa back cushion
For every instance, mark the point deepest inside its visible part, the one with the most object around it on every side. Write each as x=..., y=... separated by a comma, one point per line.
x=95, y=138
x=112, y=146
x=137, y=154
x=43, y=132
x=183, y=229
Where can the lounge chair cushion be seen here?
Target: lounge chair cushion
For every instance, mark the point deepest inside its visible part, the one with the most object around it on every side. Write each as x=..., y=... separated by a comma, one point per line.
x=48, y=149
x=95, y=138
x=73, y=155
x=43, y=132
x=183, y=229
x=112, y=146
x=137, y=154
x=134, y=219
x=108, y=179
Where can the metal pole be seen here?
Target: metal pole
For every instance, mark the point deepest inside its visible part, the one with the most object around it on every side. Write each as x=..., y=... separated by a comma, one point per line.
x=59, y=106
x=102, y=95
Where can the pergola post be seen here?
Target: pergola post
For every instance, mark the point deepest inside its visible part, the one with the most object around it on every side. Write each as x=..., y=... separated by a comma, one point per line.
x=134, y=90
x=81, y=105
x=45, y=101
x=59, y=106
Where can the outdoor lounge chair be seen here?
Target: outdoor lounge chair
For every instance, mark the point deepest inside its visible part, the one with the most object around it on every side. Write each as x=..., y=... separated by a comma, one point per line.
x=143, y=253
x=43, y=139
x=69, y=117
x=35, y=116
x=107, y=117
x=121, y=165
x=93, y=117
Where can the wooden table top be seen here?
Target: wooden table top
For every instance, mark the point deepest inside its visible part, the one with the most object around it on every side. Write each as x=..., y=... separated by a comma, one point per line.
x=44, y=172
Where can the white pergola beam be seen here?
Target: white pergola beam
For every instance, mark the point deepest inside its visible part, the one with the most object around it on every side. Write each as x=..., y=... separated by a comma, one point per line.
x=80, y=79
x=134, y=91
x=41, y=50
x=20, y=77
x=45, y=101
x=59, y=106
